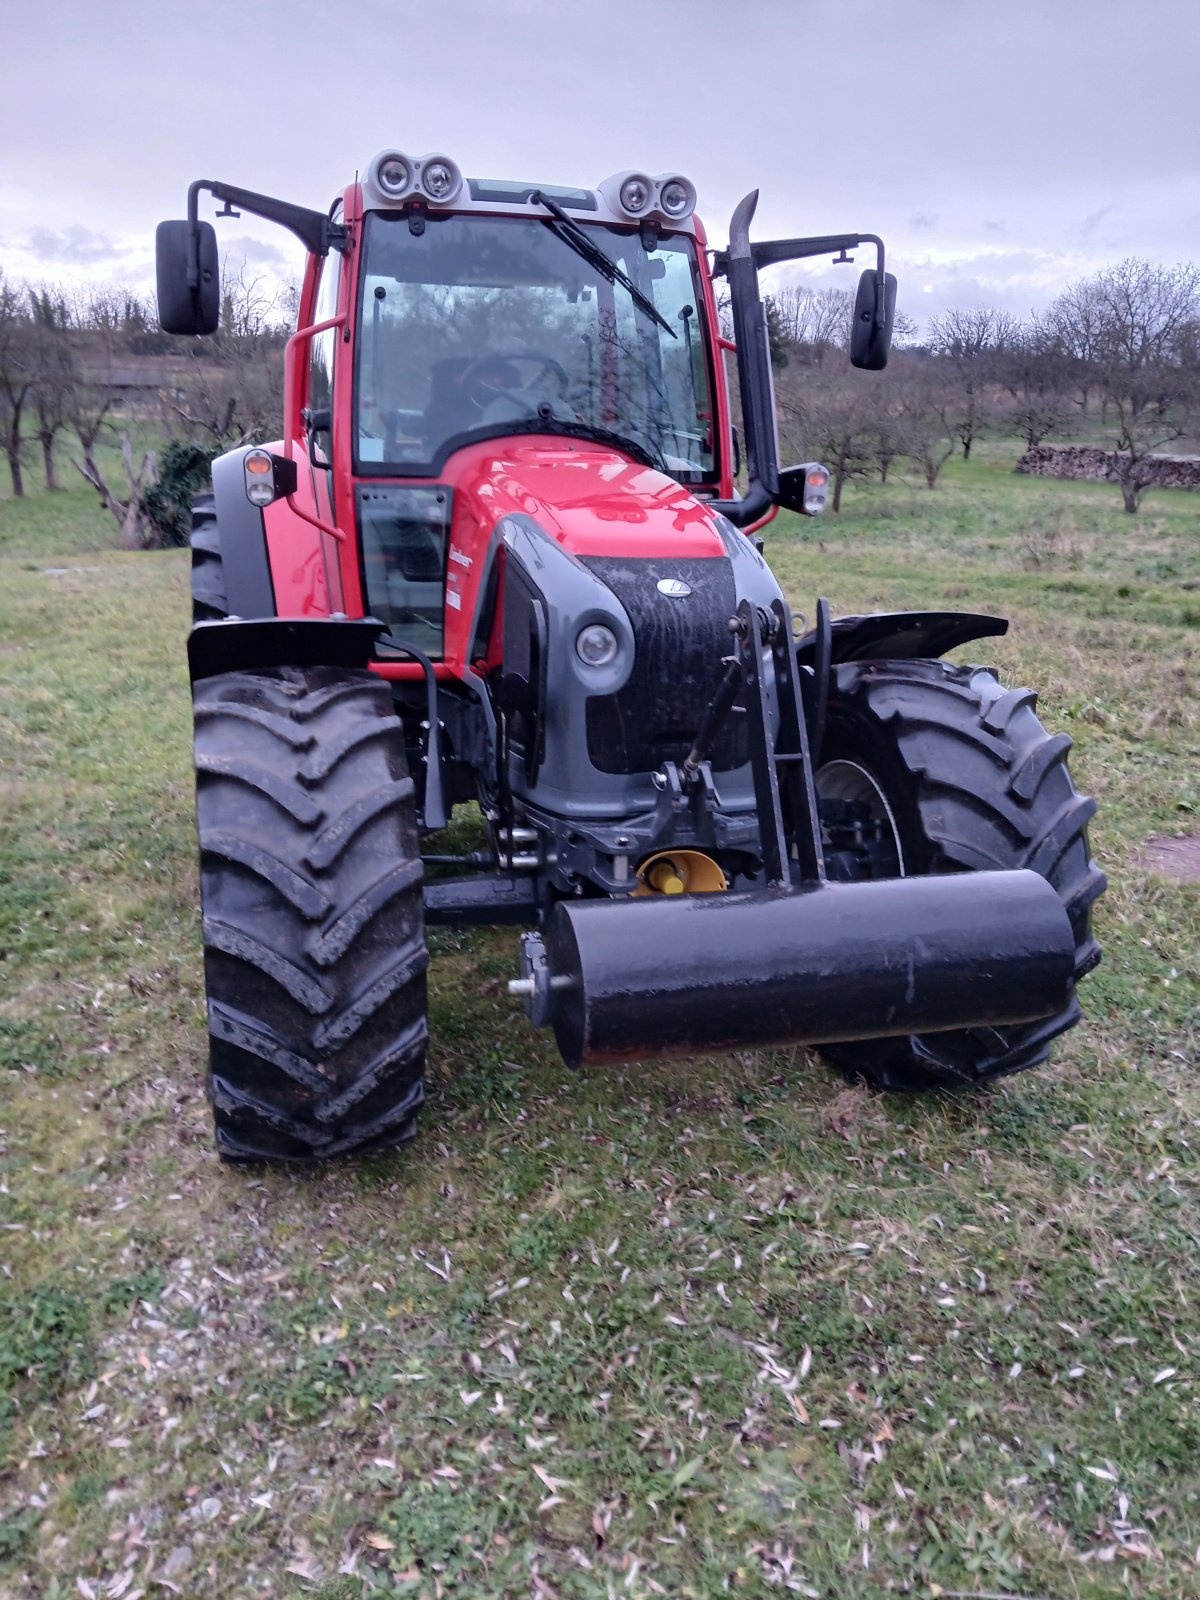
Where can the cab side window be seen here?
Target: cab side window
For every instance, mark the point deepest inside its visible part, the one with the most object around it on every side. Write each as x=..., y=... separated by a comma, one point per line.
x=321, y=353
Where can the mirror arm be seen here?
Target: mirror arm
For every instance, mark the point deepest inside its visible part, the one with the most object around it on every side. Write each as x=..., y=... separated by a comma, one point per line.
x=769, y=252
x=314, y=229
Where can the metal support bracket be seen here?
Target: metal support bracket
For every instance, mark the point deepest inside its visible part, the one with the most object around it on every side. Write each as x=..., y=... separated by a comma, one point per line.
x=781, y=765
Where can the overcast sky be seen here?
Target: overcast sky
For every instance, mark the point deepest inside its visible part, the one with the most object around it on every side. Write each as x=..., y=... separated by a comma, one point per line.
x=1001, y=147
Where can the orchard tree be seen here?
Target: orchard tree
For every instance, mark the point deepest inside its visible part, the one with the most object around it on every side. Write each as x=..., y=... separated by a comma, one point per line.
x=814, y=321
x=830, y=418
x=17, y=367
x=1138, y=323
x=969, y=341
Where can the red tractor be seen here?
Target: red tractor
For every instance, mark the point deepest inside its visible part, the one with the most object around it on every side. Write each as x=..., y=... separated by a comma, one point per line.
x=498, y=559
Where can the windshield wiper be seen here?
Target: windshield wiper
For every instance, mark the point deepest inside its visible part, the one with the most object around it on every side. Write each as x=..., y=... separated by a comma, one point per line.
x=571, y=234
x=557, y=425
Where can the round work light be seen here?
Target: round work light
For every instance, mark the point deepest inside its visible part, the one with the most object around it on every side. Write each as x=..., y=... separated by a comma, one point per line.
x=393, y=174
x=440, y=178
x=636, y=194
x=676, y=197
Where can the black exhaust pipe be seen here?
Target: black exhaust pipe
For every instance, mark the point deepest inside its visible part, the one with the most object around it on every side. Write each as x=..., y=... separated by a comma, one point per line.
x=691, y=974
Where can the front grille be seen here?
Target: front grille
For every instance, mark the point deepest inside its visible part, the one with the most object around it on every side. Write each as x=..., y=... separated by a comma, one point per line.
x=678, y=646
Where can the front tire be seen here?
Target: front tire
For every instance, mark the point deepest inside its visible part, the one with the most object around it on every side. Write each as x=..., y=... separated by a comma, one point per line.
x=958, y=775
x=314, y=943
x=210, y=601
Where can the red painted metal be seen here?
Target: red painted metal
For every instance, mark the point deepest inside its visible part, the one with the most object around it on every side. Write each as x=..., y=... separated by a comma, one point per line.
x=350, y=582
x=767, y=516
x=588, y=496
x=723, y=418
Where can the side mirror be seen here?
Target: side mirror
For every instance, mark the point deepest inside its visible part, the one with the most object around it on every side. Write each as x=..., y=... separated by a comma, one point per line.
x=874, y=313
x=317, y=423
x=189, y=278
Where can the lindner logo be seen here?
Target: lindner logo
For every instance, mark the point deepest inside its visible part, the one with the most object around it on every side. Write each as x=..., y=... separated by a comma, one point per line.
x=675, y=587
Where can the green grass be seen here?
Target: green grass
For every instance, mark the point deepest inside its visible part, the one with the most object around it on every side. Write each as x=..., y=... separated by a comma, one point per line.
x=723, y=1325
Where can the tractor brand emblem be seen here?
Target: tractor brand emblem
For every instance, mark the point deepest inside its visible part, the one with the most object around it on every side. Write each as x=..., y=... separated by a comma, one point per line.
x=674, y=587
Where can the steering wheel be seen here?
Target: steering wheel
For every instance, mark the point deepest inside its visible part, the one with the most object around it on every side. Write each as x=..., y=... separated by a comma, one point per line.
x=483, y=393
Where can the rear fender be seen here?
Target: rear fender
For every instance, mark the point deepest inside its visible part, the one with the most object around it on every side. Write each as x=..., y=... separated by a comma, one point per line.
x=900, y=635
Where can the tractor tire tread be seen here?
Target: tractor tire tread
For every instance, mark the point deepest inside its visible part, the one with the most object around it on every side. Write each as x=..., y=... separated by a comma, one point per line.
x=210, y=601
x=983, y=787
x=315, y=953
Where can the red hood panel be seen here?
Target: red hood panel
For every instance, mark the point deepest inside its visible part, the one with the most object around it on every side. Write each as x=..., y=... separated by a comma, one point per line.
x=588, y=496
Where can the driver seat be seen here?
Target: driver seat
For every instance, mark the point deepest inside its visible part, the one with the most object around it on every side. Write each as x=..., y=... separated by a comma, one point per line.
x=449, y=410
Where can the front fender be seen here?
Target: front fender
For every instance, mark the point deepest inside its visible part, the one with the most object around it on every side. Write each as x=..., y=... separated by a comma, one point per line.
x=263, y=642
x=900, y=635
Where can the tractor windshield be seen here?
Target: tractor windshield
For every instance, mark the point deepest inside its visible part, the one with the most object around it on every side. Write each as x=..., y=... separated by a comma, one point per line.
x=500, y=324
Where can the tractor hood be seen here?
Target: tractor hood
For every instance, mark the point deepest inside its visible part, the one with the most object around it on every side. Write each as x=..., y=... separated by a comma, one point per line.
x=589, y=497
x=593, y=539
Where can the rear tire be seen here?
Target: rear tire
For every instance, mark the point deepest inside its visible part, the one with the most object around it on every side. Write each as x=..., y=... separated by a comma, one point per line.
x=963, y=776
x=210, y=601
x=314, y=940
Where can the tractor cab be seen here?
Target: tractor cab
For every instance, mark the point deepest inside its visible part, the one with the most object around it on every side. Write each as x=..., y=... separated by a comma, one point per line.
x=481, y=325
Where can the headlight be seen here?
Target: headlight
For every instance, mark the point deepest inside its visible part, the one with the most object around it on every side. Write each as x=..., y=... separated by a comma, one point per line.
x=440, y=178
x=393, y=174
x=676, y=197
x=596, y=645
x=636, y=193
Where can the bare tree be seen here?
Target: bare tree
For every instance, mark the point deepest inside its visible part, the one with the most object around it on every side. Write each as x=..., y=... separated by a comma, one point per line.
x=233, y=394
x=16, y=378
x=886, y=423
x=51, y=355
x=1037, y=375
x=100, y=318
x=1138, y=323
x=968, y=341
x=920, y=410
x=815, y=321
x=1074, y=325
x=1138, y=433
x=830, y=418
x=128, y=507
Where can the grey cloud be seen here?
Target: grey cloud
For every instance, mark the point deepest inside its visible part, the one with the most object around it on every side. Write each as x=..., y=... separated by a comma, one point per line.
x=257, y=253
x=923, y=221
x=1092, y=221
x=75, y=246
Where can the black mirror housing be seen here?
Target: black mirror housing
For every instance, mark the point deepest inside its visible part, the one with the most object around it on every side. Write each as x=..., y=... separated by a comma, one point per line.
x=874, y=314
x=189, y=278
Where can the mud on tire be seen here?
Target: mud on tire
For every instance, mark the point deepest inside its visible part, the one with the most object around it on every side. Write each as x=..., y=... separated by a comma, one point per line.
x=314, y=944
x=972, y=782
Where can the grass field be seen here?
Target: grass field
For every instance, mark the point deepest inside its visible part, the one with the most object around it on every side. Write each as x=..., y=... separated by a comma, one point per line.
x=716, y=1326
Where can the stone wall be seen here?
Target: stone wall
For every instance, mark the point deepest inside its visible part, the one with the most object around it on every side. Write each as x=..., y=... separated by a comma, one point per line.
x=1098, y=466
